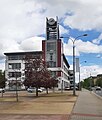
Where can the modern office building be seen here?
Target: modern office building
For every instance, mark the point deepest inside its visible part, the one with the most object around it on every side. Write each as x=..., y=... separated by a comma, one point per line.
x=52, y=52
x=14, y=68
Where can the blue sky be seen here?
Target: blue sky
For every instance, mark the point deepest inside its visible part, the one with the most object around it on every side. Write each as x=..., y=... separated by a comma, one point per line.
x=23, y=27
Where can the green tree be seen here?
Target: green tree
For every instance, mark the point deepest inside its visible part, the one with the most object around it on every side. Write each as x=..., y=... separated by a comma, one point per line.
x=88, y=83
x=2, y=79
x=99, y=82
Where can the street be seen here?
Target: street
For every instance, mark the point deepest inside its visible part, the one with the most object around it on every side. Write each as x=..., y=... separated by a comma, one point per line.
x=98, y=92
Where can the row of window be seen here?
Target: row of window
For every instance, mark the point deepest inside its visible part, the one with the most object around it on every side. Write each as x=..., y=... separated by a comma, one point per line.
x=51, y=64
x=65, y=69
x=15, y=74
x=14, y=65
x=18, y=74
x=51, y=46
x=65, y=76
x=15, y=57
x=21, y=57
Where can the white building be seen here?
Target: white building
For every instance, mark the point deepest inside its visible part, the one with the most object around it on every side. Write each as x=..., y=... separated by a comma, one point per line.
x=14, y=68
x=52, y=53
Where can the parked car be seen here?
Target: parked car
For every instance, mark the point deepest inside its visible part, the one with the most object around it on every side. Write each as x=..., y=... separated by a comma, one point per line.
x=98, y=89
x=40, y=90
x=67, y=88
x=2, y=90
x=73, y=88
x=31, y=90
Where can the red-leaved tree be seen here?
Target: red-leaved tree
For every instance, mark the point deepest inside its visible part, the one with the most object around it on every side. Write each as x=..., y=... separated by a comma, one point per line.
x=37, y=75
x=33, y=69
x=46, y=76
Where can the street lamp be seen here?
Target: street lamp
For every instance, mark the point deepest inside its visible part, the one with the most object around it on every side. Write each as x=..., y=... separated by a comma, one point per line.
x=73, y=41
x=16, y=86
x=16, y=76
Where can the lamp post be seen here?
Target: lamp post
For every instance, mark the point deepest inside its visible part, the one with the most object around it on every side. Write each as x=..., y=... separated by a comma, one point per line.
x=16, y=86
x=73, y=41
x=16, y=76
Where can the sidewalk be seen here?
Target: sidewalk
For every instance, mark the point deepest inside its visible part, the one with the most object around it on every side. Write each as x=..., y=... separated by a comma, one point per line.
x=87, y=107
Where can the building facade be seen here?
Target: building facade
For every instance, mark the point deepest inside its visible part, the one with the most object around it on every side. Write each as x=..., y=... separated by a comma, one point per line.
x=71, y=79
x=14, y=68
x=52, y=49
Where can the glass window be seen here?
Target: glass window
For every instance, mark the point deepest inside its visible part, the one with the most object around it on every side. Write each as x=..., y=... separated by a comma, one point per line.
x=14, y=66
x=51, y=56
x=14, y=74
x=51, y=46
x=15, y=57
x=52, y=64
x=53, y=73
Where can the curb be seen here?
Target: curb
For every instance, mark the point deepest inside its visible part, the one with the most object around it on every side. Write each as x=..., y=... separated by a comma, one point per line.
x=69, y=118
x=97, y=95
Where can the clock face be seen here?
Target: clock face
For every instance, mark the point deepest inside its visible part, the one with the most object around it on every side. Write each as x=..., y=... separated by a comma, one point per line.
x=51, y=21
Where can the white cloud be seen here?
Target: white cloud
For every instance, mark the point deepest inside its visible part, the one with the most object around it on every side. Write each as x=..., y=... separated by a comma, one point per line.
x=68, y=49
x=34, y=43
x=88, y=47
x=21, y=20
x=98, y=56
x=98, y=40
x=86, y=15
x=81, y=46
x=62, y=30
x=87, y=71
x=8, y=45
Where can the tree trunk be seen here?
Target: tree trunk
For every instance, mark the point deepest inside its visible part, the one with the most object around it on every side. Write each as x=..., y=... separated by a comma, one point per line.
x=46, y=90
x=36, y=92
x=53, y=90
x=2, y=94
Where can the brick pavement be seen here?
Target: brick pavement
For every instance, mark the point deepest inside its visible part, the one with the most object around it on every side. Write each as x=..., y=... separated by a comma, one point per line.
x=33, y=117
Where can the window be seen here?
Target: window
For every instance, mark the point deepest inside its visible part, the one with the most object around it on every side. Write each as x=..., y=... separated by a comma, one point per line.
x=51, y=46
x=15, y=57
x=53, y=73
x=14, y=74
x=52, y=64
x=14, y=66
x=51, y=56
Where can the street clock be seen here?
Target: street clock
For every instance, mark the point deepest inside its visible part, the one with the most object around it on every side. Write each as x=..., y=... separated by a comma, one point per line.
x=51, y=21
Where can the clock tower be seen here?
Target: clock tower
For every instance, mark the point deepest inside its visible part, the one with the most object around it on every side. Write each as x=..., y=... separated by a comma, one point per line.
x=52, y=29
x=52, y=47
